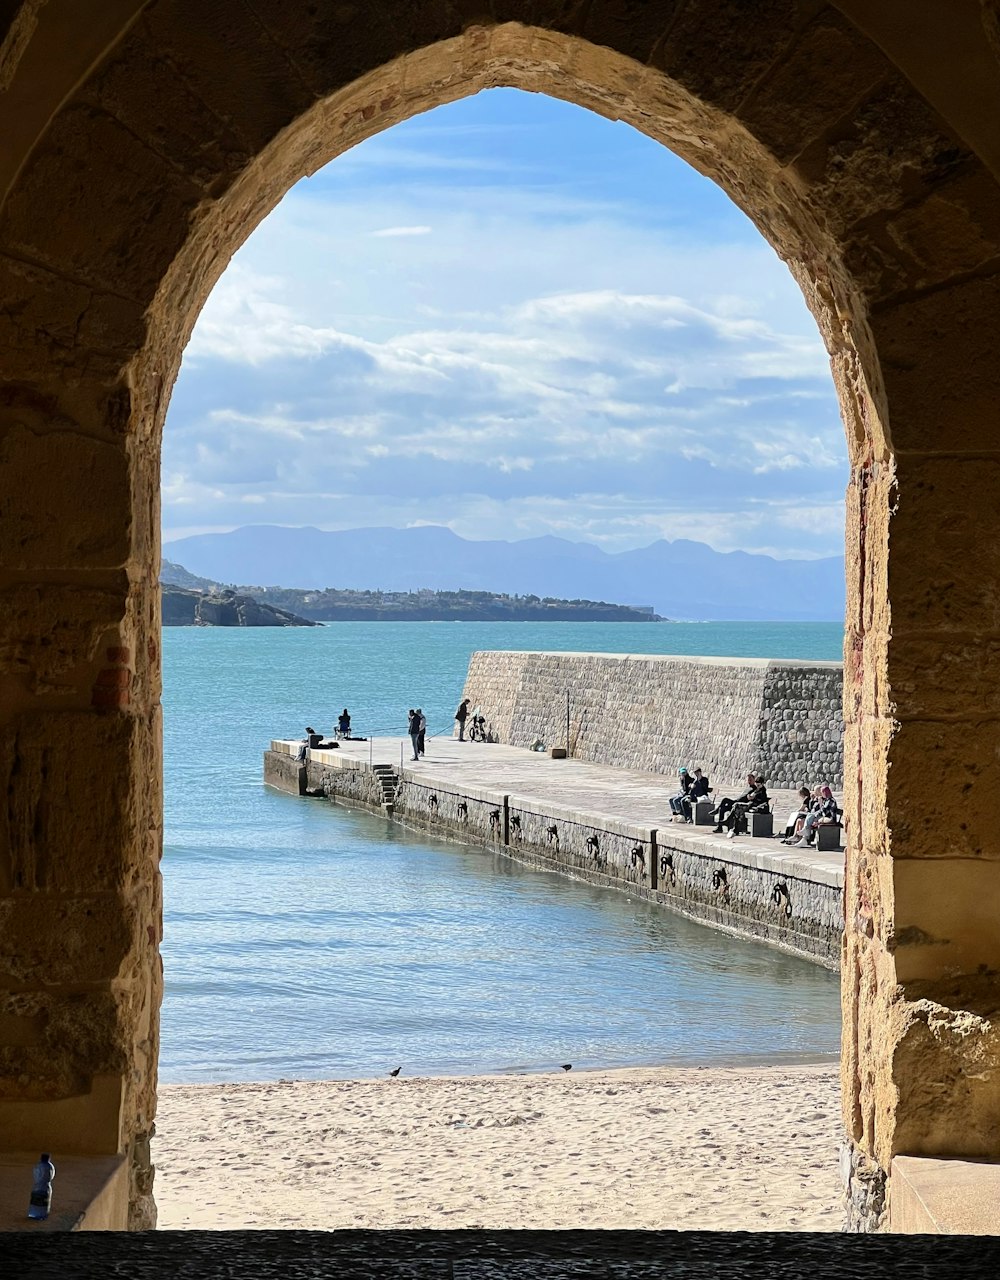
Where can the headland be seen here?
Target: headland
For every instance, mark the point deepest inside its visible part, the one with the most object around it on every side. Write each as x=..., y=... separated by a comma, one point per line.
x=190, y=600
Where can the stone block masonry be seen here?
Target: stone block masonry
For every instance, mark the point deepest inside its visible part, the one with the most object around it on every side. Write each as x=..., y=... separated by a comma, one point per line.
x=323, y=774
x=654, y=713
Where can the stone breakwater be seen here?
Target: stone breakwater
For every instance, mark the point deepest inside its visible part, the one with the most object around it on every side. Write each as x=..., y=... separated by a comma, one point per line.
x=755, y=889
x=653, y=713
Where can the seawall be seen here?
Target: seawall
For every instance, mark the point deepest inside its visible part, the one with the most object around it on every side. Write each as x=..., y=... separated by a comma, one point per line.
x=653, y=713
x=755, y=889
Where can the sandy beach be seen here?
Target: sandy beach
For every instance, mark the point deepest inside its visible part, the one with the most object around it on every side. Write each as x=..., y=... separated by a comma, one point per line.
x=716, y=1148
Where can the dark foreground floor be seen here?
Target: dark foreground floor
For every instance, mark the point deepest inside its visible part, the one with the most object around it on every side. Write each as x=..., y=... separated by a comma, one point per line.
x=495, y=1255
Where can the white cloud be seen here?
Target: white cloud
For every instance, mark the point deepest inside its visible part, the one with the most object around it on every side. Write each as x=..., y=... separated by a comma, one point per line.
x=402, y=231
x=244, y=322
x=570, y=390
x=512, y=358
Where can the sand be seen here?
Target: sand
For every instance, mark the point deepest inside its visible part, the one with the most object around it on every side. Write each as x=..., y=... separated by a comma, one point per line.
x=715, y=1148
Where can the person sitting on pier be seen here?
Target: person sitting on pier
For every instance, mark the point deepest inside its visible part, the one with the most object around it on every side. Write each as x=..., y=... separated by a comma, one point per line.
x=733, y=813
x=676, y=800
x=810, y=805
x=344, y=724
x=698, y=790
x=827, y=812
x=793, y=826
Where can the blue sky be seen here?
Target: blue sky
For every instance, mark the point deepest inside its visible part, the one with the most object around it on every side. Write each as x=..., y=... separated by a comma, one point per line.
x=512, y=317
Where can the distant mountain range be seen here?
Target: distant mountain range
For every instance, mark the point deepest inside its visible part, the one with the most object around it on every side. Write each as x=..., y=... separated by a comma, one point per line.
x=680, y=579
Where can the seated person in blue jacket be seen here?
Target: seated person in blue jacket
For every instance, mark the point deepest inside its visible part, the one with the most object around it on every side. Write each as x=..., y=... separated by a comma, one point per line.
x=733, y=813
x=344, y=724
x=698, y=790
x=684, y=778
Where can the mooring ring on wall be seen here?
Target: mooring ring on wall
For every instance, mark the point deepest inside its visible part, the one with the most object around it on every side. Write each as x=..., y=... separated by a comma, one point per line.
x=515, y=828
x=462, y=810
x=494, y=820
x=639, y=857
x=432, y=801
x=667, y=864
x=552, y=834
x=720, y=881
x=594, y=846
x=782, y=898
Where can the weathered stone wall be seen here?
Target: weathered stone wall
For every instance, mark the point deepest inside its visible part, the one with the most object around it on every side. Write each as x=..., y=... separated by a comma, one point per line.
x=322, y=774
x=728, y=715
x=283, y=771
x=865, y=1185
x=356, y=785
x=660, y=865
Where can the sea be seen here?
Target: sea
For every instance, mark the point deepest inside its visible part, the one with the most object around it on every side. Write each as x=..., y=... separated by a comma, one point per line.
x=305, y=940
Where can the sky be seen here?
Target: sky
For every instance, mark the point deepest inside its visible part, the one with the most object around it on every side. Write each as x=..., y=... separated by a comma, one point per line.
x=511, y=317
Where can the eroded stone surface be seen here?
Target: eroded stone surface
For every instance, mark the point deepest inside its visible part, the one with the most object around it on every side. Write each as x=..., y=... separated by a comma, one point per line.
x=45, y=475
x=48, y=631
x=947, y=1062
x=59, y=1040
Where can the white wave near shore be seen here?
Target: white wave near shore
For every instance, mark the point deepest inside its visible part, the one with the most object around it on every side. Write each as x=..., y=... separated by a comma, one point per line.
x=721, y=1148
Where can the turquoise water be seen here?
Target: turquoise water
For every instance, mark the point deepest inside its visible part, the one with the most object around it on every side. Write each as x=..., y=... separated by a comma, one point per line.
x=307, y=940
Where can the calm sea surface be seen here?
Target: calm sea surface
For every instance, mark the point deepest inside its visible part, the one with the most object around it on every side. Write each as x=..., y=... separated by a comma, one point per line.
x=306, y=940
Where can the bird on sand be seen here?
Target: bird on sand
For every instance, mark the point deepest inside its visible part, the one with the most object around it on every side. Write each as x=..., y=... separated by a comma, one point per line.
x=396, y=1072
x=567, y=1066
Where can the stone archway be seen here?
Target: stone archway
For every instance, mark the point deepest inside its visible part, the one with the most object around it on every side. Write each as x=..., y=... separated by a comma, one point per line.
x=141, y=142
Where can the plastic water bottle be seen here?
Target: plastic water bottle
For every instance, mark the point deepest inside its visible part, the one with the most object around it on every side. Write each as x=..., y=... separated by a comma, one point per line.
x=41, y=1187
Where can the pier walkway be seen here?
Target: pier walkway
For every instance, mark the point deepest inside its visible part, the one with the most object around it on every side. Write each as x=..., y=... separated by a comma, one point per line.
x=596, y=792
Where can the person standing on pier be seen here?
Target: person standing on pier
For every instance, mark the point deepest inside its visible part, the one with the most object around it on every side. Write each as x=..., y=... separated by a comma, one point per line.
x=421, y=731
x=461, y=715
x=413, y=729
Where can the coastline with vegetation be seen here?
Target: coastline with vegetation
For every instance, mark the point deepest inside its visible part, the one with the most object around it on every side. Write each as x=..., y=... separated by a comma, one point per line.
x=189, y=600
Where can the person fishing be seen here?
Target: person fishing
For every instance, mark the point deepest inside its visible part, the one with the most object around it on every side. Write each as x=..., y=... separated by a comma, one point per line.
x=461, y=715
